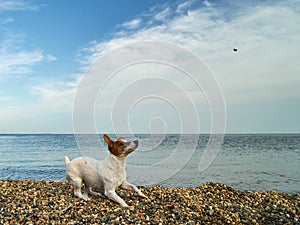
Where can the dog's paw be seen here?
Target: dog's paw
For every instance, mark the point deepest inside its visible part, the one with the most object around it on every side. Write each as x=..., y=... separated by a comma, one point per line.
x=141, y=195
x=85, y=197
x=131, y=208
x=125, y=206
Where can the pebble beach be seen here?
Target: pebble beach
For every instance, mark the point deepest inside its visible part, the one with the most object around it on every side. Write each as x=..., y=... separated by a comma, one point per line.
x=53, y=202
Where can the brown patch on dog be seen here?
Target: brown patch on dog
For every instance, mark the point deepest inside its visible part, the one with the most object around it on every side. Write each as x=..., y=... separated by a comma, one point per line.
x=115, y=147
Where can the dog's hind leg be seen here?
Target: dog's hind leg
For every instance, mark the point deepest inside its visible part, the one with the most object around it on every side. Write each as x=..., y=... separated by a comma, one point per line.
x=90, y=191
x=77, y=183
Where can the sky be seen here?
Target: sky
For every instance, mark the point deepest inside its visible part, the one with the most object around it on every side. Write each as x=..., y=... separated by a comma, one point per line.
x=48, y=47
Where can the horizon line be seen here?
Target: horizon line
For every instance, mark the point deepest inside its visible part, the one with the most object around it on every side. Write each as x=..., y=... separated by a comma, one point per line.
x=204, y=133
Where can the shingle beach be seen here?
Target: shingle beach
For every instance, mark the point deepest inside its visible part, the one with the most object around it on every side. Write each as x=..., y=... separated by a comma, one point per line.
x=41, y=202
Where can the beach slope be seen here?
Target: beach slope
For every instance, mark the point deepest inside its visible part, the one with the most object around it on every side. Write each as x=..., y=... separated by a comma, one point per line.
x=41, y=202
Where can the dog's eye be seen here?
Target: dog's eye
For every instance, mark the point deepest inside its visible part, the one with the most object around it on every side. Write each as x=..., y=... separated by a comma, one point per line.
x=121, y=143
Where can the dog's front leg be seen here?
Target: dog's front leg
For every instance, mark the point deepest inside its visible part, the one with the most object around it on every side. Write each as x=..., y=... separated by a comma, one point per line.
x=128, y=186
x=111, y=194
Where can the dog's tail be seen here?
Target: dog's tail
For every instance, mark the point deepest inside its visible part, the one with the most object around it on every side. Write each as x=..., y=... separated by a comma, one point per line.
x=66, y=160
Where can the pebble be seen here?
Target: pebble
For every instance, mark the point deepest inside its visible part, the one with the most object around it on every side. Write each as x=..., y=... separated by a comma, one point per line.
x=53, y=202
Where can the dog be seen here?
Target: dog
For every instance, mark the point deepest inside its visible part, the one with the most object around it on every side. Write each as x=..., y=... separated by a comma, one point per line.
x=107, y=175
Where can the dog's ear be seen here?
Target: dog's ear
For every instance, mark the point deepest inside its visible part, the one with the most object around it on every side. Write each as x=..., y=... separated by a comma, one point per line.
x=109, y=142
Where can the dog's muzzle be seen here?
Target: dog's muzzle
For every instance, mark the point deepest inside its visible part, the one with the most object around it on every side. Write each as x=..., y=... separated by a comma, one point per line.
x=136, y=143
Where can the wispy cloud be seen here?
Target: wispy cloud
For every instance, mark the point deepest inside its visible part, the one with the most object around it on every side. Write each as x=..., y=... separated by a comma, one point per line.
x=49, y=58
x=7, y=20
x=264, y=69
x=55, y=99
x=133, y=24
x=57, y=96
x=15, y=58
x=21, y=62
x=16, y=5
x=163, y=15
x=181, y=8
x=207, y=3
x=266, y=35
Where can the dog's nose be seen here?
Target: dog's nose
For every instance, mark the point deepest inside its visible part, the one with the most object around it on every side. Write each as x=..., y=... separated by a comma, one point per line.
x=136, y=142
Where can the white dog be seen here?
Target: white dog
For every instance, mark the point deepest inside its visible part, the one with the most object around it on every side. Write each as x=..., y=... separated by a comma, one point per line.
x=108, y=174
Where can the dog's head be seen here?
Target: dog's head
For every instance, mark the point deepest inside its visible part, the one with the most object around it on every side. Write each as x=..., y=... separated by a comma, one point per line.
x=120, y=147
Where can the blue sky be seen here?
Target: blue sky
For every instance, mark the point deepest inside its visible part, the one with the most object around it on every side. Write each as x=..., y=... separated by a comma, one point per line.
x=47, y=46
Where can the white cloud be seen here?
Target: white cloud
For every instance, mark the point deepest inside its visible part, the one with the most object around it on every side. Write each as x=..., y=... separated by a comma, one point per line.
x=21, y=62
x=207, y=3
x=264, y=70
x=56, y=96
x=16, y=5
x=55, y=99
x=163, y=15
x=133, y=24
x=184, y=6
x=7, y=21
x=48, y=110
x=50, y=58
x=15, y=60
x=265, y=35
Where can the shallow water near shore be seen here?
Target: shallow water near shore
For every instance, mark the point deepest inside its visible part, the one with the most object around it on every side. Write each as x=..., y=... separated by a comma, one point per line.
x=245, y=162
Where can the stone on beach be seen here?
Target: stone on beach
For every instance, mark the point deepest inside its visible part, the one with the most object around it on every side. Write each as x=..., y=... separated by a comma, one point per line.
x=29, y=202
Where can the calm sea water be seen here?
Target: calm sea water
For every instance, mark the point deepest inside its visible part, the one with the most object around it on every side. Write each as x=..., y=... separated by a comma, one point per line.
x=245, y=162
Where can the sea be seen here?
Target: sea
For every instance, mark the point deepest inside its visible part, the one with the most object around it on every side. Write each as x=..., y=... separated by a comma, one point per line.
x=260, y=162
